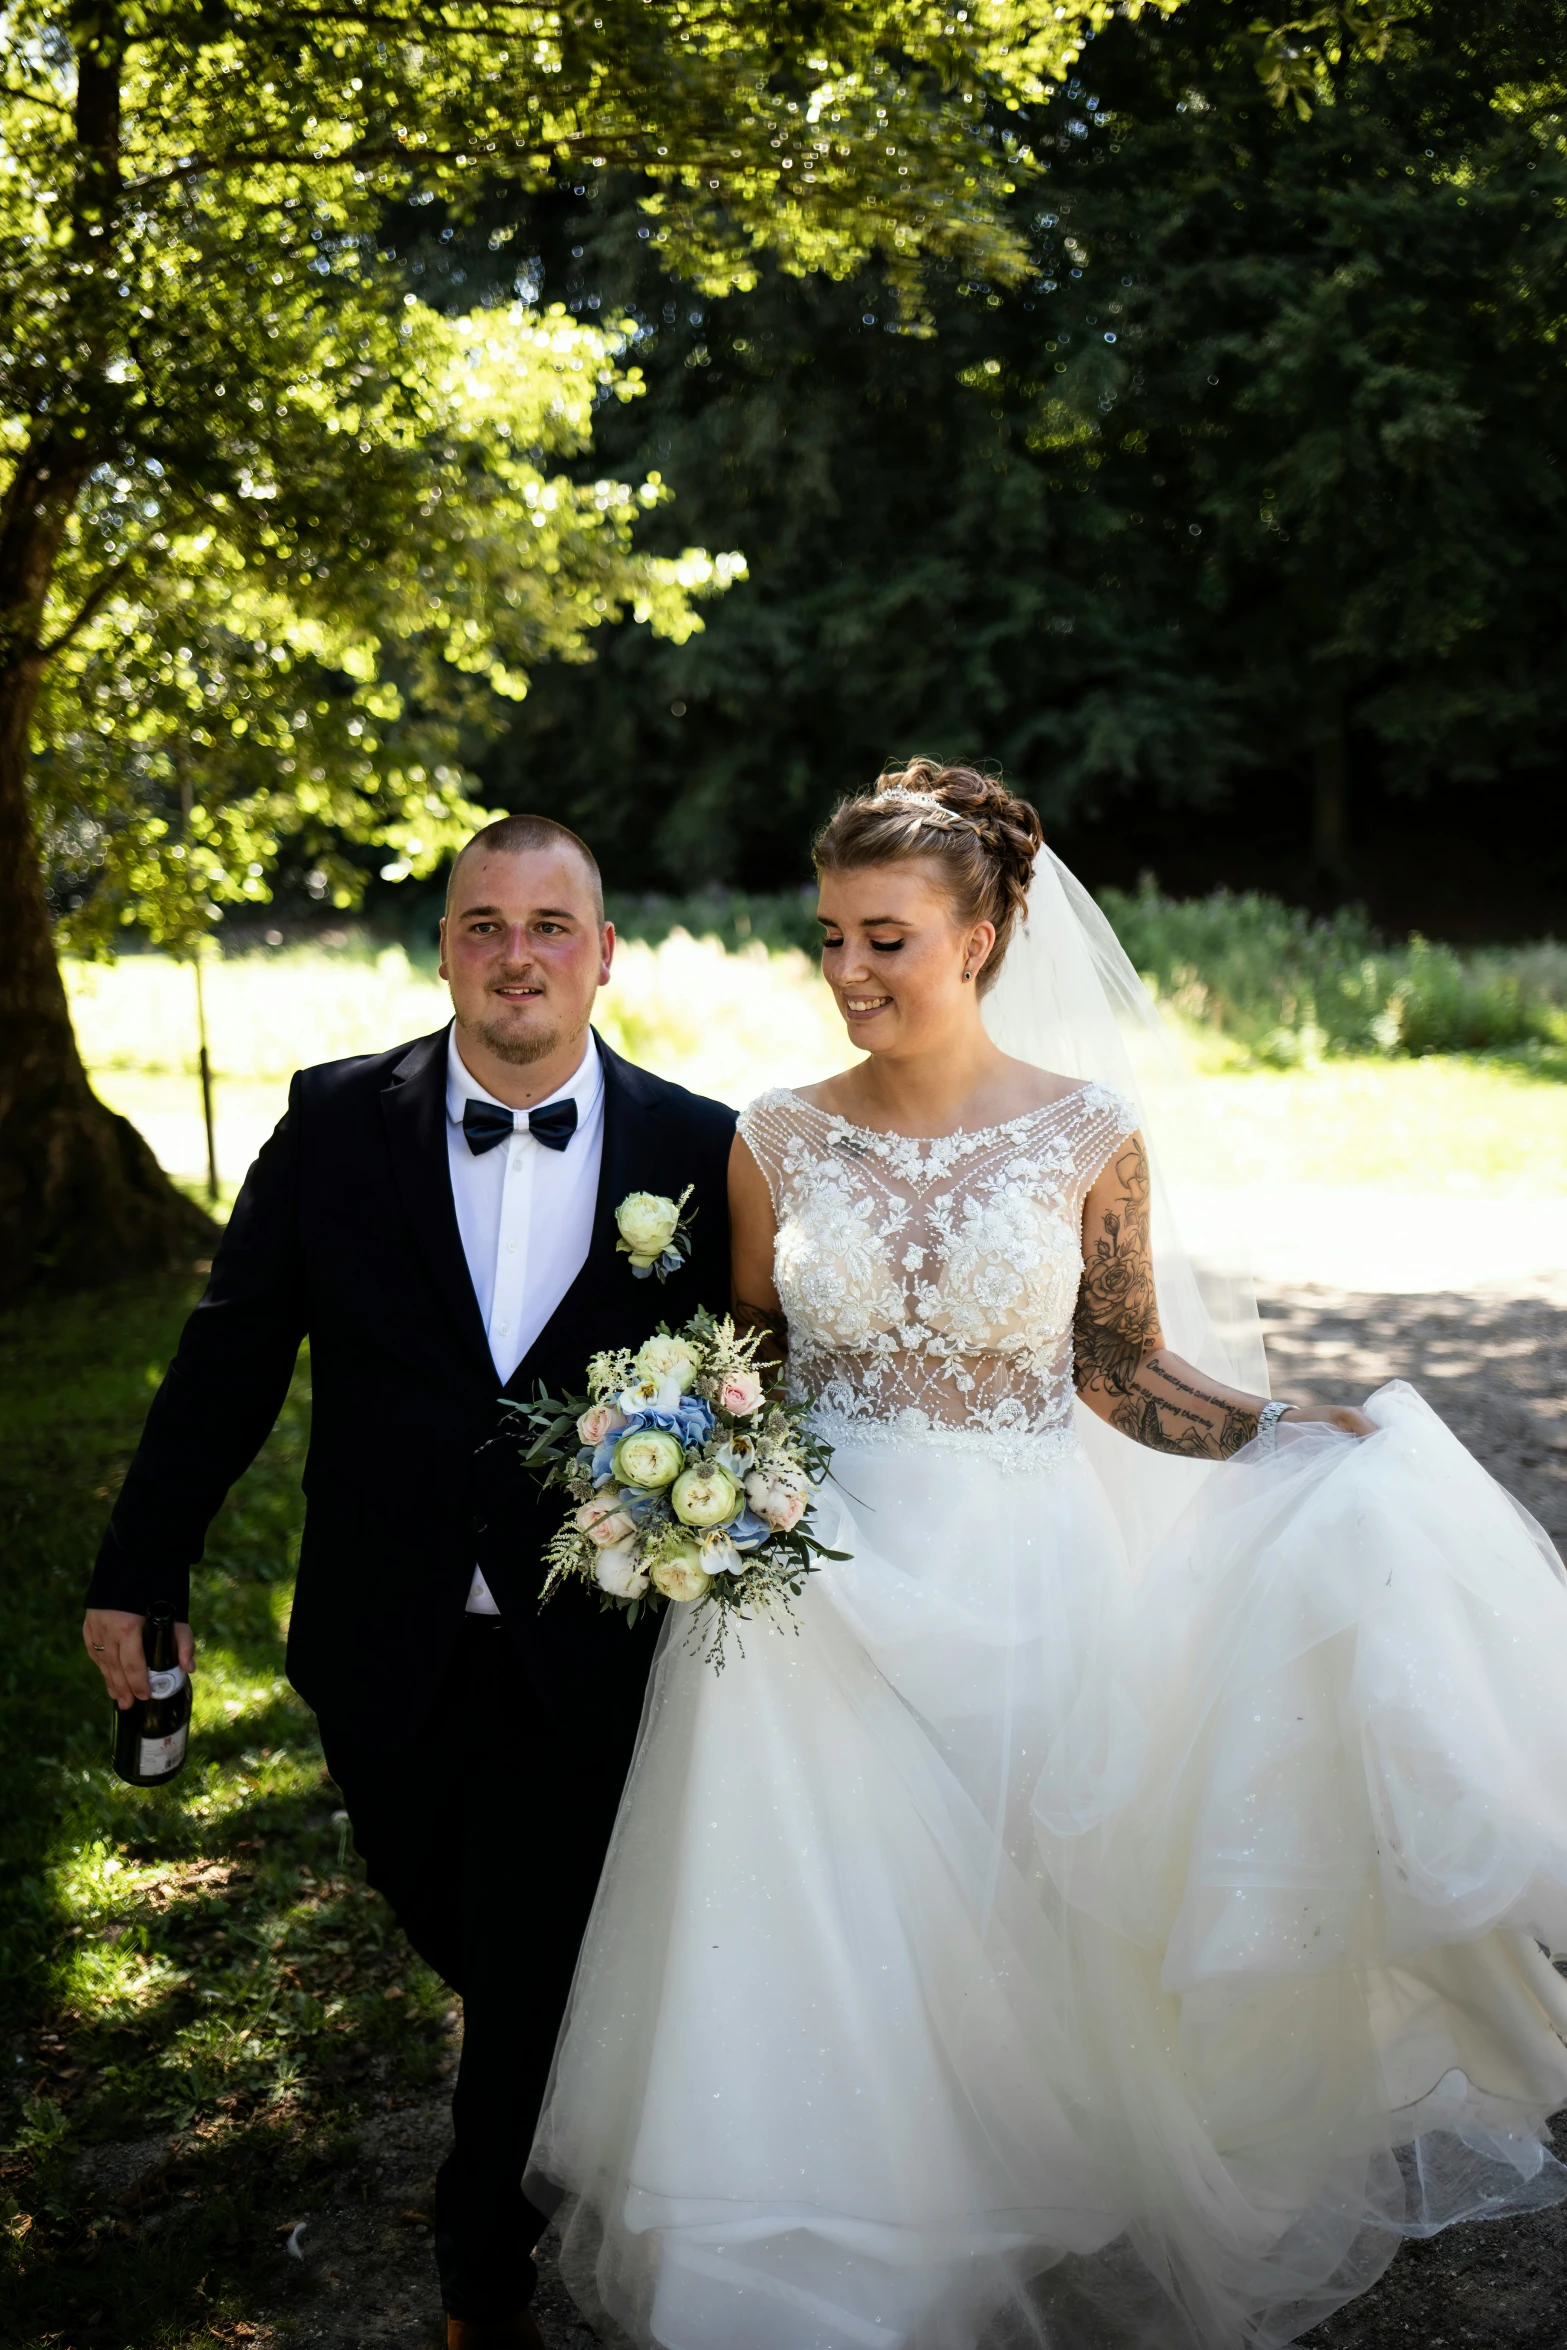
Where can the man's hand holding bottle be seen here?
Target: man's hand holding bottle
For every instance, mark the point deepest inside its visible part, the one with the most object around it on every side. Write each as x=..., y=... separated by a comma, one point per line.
x=114, y=1642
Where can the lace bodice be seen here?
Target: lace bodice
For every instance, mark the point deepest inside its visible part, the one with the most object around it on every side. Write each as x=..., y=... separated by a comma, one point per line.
x=929, y=1284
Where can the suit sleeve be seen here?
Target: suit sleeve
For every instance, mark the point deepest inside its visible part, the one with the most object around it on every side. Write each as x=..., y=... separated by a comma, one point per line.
x=221, y=1394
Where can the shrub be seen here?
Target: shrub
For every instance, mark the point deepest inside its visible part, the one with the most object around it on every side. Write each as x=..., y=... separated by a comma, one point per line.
x=1289, y=988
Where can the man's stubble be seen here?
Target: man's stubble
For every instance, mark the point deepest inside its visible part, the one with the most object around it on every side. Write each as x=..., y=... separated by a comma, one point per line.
x=520, y=1051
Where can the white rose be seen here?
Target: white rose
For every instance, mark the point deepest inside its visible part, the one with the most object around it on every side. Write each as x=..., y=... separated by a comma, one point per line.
x=664, y=1358
x=705, y=1496
x=647, y=1224
x=679, y=1574
x=778, y=1497
x=620, y=1571
x=603, y=1520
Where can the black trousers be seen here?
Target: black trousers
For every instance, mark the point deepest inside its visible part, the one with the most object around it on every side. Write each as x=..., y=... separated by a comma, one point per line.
x=486, y=1836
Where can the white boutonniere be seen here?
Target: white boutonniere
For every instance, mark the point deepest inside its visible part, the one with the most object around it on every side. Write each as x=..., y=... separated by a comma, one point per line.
x=654, y=1233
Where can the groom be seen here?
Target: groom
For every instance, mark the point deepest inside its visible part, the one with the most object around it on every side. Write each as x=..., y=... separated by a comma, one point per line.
x=439, y=1222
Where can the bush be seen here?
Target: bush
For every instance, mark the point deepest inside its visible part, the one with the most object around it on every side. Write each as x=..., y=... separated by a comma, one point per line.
x=1289, y=988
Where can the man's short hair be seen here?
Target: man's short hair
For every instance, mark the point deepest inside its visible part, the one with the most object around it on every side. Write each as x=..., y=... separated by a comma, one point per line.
x=514, y=836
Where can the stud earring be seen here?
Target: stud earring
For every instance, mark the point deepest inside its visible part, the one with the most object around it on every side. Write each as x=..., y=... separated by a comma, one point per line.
x=968, y=974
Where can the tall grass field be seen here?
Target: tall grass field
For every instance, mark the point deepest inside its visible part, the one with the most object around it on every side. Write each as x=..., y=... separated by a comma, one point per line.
x=1328, y=1059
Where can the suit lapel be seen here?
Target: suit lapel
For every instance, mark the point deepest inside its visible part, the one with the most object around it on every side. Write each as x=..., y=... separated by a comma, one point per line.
x=414, y=1107
x=627, y=1113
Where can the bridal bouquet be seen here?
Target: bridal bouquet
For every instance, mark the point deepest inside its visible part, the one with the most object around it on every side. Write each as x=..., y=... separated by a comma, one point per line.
x=691, y=1480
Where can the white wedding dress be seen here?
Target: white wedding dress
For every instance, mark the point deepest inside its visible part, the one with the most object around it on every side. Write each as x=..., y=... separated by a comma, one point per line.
x=1022, y=1950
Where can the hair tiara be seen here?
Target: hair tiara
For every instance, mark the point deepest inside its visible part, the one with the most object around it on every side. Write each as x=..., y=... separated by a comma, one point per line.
x=925, y=806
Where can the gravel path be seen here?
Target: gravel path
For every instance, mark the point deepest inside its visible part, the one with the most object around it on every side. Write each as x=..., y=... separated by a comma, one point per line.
x=1494, y=1363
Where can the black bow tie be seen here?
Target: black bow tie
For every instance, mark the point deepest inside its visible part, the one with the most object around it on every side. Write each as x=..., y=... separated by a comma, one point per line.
x=486, y=1123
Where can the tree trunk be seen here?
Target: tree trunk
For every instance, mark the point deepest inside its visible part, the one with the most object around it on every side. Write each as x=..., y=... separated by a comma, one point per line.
x=1330, y=798
x=82, y=1199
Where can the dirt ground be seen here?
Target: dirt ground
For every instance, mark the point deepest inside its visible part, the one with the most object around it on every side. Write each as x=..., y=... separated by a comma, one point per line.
x=1495, y=1365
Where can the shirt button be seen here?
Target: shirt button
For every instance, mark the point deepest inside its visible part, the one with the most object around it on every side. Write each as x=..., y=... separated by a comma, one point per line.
x=511, y=1248
x=516, y=1162
x=501, y=1329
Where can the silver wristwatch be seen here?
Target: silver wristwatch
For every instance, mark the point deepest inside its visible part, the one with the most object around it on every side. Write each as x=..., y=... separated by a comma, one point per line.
x=1267, y=1422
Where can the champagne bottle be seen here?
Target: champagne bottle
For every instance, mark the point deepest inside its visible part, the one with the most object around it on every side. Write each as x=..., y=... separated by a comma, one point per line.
x=152, y=1733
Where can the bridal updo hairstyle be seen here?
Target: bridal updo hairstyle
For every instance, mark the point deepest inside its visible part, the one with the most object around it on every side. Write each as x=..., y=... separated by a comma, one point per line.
x=980, y=836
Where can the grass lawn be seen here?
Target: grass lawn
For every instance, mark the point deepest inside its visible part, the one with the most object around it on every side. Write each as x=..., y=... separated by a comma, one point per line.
x=201, y=1969
x=1449, y=1123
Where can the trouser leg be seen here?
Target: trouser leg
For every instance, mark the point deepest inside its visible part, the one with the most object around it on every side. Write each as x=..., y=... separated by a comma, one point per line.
x=535, y=1826
x=487, y=1838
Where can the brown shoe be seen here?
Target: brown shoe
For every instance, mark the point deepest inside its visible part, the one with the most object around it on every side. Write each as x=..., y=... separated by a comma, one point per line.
x=518, y=2332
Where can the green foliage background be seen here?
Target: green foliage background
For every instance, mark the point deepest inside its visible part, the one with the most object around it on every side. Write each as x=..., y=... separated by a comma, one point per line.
x=265, y=519
x=1261, y=461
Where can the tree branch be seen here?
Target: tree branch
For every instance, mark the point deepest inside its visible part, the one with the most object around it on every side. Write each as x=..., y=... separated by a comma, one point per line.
x=93, y=602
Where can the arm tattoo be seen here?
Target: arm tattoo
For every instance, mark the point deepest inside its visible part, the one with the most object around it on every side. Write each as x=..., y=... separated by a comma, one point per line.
x=1121, y=1366
x=1117, y=1319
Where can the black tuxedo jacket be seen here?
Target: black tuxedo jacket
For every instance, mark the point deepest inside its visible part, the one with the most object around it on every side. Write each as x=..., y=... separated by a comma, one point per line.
x=345, y=1233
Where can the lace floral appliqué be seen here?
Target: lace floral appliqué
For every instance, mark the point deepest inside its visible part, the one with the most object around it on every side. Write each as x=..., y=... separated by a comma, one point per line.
x=929, y=1284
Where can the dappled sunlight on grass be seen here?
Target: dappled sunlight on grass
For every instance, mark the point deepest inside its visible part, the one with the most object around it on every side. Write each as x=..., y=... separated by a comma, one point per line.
x=200, y=1970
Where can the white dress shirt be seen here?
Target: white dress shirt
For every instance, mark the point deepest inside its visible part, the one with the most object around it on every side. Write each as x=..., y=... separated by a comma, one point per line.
x=525, y=1214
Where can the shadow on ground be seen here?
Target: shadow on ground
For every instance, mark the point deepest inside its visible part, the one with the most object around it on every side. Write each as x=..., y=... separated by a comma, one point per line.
x=1493, y=1363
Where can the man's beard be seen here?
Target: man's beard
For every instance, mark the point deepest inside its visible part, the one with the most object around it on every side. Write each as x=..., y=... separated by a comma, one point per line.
x=520, y=1049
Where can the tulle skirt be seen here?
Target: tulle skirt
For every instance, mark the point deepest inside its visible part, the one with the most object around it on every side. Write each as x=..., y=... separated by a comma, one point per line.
x=1009, y=1951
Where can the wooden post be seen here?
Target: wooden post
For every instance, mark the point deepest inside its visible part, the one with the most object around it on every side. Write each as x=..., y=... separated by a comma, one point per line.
x=203, y=1057
x=206, y=1084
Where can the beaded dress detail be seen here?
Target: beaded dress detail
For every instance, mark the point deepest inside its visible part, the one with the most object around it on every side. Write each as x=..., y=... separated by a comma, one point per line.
x=929, y=1284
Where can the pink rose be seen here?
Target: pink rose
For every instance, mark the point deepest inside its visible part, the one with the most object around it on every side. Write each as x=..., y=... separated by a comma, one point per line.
x=598, y=1421
x=740, y=1394
x=603, y=1521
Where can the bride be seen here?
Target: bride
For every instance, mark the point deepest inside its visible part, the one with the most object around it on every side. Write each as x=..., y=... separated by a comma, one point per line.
x=1115, y=1917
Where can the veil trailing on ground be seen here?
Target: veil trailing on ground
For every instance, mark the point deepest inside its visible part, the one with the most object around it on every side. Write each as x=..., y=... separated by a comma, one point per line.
x=1069, y=1000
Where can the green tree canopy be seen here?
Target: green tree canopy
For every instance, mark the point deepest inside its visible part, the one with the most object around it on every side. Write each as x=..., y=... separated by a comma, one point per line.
x=295, y=655
x=228, y=435
x=1252, y=481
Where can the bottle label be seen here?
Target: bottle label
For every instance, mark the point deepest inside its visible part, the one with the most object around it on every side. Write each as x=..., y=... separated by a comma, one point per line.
x=165, y=1684
x=160, y=1756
